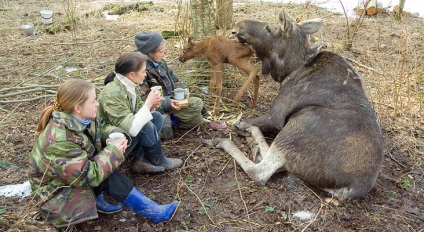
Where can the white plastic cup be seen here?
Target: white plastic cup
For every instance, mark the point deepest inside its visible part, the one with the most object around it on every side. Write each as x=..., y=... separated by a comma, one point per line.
x=115, y=138
x=179, y=93
x=46, y=16
x=159, y=88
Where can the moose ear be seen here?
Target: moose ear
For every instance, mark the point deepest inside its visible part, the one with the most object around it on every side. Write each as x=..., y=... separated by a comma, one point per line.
x=190, y=39
x=311, y=26
x=285, y=21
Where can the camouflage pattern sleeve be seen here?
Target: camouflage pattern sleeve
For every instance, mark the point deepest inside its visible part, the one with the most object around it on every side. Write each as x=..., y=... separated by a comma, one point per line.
x=106, y=130
x=116, y=107
x=71, y=164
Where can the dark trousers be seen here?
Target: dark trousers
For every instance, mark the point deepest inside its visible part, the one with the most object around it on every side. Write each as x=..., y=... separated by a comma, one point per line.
x=148, y=135
x=117, y=186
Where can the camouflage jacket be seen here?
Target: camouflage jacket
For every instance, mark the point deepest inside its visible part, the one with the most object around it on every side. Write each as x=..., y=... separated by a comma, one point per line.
x=164, y=76
x=66, y=162
x=116, y=105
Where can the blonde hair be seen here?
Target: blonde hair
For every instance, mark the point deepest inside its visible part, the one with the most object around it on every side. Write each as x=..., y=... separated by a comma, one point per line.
x=71, y=93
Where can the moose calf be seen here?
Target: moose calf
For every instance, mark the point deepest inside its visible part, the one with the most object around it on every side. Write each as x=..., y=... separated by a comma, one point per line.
x=219, y=50
x=328, y=132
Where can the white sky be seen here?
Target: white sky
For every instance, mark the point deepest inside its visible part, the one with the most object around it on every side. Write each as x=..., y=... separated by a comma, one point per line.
x=334, y=5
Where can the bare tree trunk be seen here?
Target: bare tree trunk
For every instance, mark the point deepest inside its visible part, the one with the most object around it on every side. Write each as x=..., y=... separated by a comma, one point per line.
x=224, y=14
x=202, y=18
x=398, y=15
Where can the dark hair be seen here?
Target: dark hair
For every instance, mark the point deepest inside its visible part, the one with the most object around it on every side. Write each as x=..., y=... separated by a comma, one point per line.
x=126, y=63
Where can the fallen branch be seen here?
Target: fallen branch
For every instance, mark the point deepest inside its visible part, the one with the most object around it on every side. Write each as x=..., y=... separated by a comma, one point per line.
x=363, y=66
x=21, y=92
x=241, y=194
x=27, y=99
x=92, y=42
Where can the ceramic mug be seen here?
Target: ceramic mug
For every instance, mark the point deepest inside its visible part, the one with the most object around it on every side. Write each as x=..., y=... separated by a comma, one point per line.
x=159, y=88
x=179, y=93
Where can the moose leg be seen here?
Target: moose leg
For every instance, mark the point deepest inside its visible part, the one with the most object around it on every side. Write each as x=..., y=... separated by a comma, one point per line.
x=264, y=123
x=251, y=70
x=259, y=141
x=217, y=89
x=256, y=91
x=260, y=172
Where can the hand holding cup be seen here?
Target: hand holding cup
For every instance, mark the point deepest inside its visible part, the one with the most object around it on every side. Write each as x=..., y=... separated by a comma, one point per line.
x=118, y=139
x=154, y=99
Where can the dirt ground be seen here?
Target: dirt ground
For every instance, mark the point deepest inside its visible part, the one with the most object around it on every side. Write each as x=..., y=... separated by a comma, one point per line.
x=215, y=194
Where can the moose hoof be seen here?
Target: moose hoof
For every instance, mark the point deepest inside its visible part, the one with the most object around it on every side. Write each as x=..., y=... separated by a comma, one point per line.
x=242, y=125
x=332, y=201
x=208, y=142
x=212, y=143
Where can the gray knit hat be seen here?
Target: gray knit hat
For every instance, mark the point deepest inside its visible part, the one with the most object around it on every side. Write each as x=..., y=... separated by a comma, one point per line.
x=147, y=41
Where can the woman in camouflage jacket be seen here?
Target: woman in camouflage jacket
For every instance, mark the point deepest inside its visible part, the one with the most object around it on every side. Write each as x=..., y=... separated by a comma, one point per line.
x=68, y=168
x=122, y=106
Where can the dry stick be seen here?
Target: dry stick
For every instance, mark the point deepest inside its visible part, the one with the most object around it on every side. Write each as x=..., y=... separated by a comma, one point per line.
x=399, y=212
x=27, y=99
x=46, y=73
x=16, y=87
x=203, y=206
x=363, y=66
x=91, y=42
x=219, y=173
x=396, y=161
x=321, y=205
x=11, y=112
x=21, y=92
x=241, y=195
x=182, y=136
x=198, y=198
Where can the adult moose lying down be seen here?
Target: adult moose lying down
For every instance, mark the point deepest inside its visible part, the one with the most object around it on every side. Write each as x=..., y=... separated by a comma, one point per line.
x=328, y=133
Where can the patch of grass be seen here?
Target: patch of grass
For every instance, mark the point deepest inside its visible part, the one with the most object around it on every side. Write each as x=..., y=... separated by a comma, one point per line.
x=269, y=209
x=189, y=179
x=405, y=183
x=284, y=215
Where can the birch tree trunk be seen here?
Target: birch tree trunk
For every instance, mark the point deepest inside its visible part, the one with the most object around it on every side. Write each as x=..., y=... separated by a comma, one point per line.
x=399, y=13
x=202, y=18
x=224, y=14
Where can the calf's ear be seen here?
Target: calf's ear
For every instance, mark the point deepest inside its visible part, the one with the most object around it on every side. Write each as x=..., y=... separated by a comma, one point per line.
x=311, y=26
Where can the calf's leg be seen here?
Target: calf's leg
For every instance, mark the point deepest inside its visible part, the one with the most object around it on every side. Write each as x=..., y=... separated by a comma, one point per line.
x=251, y=70
x=216, y=90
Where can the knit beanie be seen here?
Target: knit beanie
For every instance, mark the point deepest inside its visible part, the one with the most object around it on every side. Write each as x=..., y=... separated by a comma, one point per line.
x=147, y=41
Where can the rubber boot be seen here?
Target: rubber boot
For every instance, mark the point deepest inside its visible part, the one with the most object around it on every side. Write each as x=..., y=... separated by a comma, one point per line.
x=104, y=207
x=145, y=207
x=142, y=165
x=155, y=155
x=167, y=132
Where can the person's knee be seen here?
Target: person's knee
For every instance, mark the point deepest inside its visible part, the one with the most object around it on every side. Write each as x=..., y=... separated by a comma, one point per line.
x=157, y=120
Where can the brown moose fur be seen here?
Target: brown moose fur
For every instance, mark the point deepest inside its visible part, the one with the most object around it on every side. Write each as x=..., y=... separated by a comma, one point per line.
x=328, y=133
x=219, y=50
